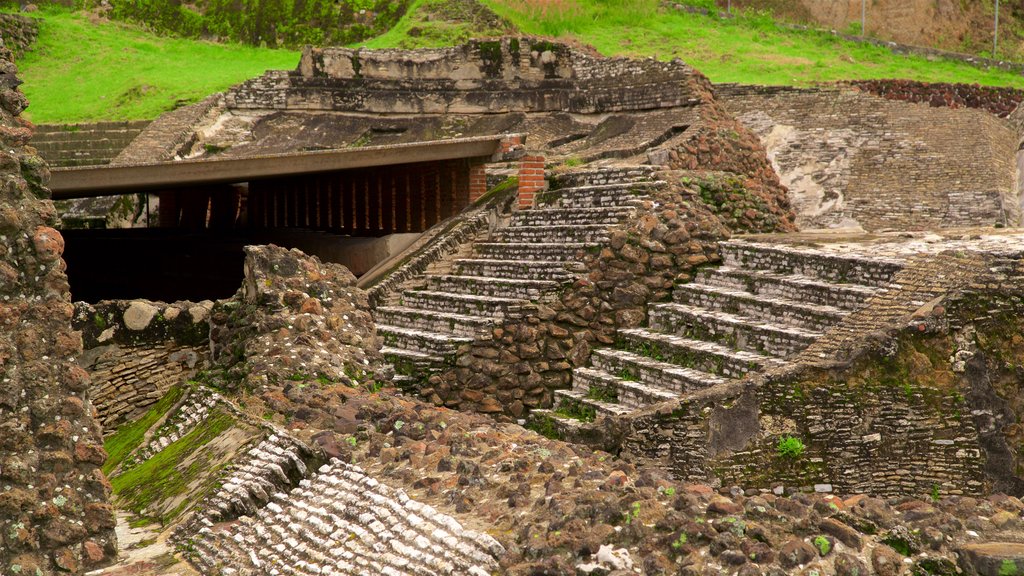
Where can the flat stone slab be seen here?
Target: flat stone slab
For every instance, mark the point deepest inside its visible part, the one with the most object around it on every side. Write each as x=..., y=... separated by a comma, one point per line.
x=993, y=559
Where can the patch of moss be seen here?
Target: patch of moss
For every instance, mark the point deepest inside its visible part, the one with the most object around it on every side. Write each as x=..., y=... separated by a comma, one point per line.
x=128, y=437
x=165, y=475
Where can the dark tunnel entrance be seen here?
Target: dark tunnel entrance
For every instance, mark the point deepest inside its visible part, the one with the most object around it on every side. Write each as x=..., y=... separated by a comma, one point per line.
x=189, y=245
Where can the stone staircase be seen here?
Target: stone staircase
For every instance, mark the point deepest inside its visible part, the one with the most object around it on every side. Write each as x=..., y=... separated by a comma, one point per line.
x=765, y=304
x=528, y=256
x=84, y=144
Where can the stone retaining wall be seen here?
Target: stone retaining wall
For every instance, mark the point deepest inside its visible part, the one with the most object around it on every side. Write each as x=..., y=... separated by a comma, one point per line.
x=996, y=100
x=18, y=33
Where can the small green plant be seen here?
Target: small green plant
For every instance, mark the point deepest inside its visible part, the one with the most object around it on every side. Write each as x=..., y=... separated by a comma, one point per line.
x=823, y=545
x=790, y=447
x=632, y=514
x=351, y=441
x=627, y=375
x=1008, y=568
x=679, y=542
x=935, y=493
x=670, y=491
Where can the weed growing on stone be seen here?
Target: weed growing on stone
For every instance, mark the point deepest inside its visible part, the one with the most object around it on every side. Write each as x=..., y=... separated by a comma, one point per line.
x=790, y=447
x=632, y=514
x=128, y=437
x=823, y=545
x=679, y=542
x=576, y=411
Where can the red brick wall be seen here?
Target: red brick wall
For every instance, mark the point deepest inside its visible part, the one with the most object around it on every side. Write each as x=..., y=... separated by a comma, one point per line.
x=477, y=181
x=531, y=180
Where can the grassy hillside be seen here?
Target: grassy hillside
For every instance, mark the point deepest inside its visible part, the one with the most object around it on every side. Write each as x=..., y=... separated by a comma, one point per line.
x=82, y=71
x=750, y=49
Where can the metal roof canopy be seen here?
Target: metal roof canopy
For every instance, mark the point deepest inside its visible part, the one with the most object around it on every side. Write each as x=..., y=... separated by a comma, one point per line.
x=106, y=180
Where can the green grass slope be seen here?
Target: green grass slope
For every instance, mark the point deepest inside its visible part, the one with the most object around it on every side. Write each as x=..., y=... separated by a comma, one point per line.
x=79, y=71
x=83, y=71
x=751, y=48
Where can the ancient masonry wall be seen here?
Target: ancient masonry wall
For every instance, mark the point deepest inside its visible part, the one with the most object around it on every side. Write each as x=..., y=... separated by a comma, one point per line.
x=136, y=350
x=482, y=76
x=853, y=159
x=996, y=100
x=54, y=511
x=877, y=413
x=18, y=32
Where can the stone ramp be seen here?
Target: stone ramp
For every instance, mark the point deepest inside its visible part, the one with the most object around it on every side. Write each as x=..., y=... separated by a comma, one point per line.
x=765, y=305
x=341, y=521
x=520, y=263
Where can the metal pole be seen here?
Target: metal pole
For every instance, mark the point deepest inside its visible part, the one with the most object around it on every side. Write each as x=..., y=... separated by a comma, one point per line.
x=995, y=33
x=863, y=18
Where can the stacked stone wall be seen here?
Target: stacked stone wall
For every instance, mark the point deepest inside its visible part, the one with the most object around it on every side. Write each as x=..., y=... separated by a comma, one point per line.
x=854, y=159
x=18, y=33
x=54, y=511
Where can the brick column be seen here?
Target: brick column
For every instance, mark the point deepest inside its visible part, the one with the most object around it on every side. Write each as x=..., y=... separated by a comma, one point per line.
x=531, y=180
x=477, y=181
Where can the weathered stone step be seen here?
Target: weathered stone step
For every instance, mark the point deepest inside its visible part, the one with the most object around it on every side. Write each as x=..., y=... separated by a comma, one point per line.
x=435, y=321
x=532, y=269
x=606, y=175
x=605, y=195
x=570, y=216
x=555, y=425
x=600, y=385
x=737, y=332
x=564, y=398
x=696, y=354
x=560, y=233
x=814, y=317
x=525, y=289
x=561, y=251
x=430, y=343
x=410, y=363
x=826, y=266
x=663, y=375
x=468, y=304
x=794, y=287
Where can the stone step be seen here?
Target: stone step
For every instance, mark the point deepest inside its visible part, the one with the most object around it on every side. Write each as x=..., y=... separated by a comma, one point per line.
x=808, y=262
x=607, y=175
x=430, y=320
x=570, y=216
x=814, y=317
x=429, y=343
x=409, y=362
x=600, y=385
x=654, y=373
x=525, y=289
x=467, y=304
x=567, y=400
x=737, y=332
x=605, y=195
x=796, y=287
x=555, y=425
x=560, y=251
x=560, y=233
x=696, y=354
x=528, y=269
